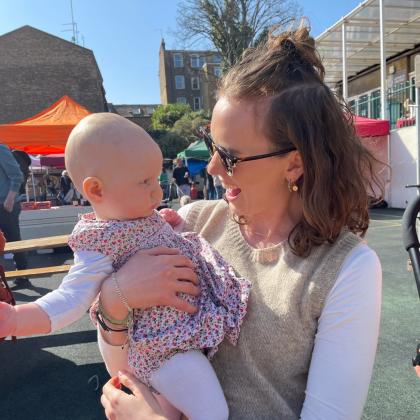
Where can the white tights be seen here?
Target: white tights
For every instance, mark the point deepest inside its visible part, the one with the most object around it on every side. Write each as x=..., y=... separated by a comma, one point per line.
x=187, y=381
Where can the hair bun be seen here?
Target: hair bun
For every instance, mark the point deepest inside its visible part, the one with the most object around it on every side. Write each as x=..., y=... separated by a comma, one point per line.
x=297, y=45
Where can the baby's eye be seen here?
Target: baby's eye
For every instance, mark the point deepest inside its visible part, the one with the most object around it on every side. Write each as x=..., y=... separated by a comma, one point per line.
x=146, y=181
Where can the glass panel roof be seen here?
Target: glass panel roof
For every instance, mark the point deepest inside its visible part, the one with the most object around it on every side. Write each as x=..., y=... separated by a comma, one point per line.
x=402, y=32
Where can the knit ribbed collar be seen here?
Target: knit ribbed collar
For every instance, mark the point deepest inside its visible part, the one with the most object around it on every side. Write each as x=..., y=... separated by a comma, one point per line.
x=267, y=255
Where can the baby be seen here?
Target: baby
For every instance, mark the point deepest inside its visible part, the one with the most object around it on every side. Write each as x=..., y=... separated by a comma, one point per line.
x=116, y=165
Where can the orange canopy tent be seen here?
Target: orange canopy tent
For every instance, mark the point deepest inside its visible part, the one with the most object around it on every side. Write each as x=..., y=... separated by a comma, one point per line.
x=47, y=132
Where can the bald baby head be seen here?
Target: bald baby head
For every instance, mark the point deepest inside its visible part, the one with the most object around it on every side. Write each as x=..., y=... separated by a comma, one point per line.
x=104, y=144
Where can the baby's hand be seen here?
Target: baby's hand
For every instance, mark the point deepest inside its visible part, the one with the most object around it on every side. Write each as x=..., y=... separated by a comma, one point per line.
x=171, y=217
x=8, y=320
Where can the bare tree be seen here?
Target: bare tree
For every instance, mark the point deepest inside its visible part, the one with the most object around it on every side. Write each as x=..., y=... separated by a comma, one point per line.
x=231, y=26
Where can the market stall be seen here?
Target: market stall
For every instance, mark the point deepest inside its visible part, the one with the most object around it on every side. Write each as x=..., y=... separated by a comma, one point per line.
x=47, y=132
x=196, y=157
x=44, y=137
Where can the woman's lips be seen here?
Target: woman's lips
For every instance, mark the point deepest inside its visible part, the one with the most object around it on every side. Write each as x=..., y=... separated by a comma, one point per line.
x=232, y=193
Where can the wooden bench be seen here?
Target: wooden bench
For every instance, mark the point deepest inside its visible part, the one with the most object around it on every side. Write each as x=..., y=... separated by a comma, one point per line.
x=37, y=272
x=34, y=244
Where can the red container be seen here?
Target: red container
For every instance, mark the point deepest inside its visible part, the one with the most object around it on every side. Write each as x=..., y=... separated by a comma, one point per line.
x=43, y=205
x=194, y=192
x=30, y=205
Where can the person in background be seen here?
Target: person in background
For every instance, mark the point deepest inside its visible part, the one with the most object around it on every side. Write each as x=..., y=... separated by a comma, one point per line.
x=42, y=185
x=65, y=186
x=184, y=200
x=164, y=183
x=24, y=162
x=181, y=177
x=218, y=187
x=11, y=179
x=211, y=192
x=51, y=188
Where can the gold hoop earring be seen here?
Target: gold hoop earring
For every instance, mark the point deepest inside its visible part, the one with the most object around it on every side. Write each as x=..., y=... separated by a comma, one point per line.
x=292, y=186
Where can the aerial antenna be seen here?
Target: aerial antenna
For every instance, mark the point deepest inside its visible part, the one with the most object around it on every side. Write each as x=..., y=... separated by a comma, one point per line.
x=74, y=24
x=75, y=37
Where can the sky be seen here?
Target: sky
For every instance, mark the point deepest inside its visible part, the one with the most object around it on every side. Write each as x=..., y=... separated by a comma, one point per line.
x=125, y=35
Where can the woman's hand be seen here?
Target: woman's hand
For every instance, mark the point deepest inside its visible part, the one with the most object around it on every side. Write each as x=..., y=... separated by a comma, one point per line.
x=140, y=405
x=152, y=277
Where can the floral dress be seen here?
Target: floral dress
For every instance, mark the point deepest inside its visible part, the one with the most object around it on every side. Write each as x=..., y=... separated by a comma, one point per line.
x=157, y=333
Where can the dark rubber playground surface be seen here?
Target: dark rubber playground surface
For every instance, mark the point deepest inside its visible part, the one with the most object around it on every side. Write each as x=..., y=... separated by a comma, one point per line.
x=60, y=376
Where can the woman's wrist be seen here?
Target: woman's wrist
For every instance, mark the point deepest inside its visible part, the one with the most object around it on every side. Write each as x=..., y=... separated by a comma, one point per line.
x=111, y=301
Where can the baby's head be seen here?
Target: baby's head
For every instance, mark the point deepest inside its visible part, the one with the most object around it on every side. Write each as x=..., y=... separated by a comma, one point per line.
x=115, y=164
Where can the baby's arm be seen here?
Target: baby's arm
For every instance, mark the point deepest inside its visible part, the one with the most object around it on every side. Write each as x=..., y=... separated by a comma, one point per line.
x=62, y=306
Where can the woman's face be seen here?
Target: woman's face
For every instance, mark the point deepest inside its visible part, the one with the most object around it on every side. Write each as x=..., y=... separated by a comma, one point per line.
x=255, y=186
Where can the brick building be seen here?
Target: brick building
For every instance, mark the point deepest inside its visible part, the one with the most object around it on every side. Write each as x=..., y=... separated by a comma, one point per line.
x=137, y=113
x=189, y=77
x=37, y=68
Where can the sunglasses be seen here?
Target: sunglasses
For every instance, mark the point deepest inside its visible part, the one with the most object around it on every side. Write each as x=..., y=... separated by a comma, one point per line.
x=229, y=161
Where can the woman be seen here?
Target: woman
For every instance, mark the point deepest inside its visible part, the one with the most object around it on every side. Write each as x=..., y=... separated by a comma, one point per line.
x=296, y=206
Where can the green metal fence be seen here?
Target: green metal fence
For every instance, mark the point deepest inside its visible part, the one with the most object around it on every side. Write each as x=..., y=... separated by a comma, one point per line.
x=400, y=99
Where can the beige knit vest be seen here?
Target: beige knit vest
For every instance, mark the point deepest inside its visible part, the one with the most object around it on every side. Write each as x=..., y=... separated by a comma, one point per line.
x=265, y=375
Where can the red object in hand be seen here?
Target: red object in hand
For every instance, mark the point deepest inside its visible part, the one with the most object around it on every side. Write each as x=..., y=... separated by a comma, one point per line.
x=171, y=216
x=194, y=192
x=2, y=241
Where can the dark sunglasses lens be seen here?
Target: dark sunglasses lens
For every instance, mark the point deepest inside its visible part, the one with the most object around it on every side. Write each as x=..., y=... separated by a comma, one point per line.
x=226, y=162
x=209, y=144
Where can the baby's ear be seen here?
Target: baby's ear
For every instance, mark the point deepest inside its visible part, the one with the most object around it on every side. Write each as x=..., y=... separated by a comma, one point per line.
x=92, y=189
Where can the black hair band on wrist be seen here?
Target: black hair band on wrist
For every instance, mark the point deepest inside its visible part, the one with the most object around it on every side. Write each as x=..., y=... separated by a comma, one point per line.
x=105, y=327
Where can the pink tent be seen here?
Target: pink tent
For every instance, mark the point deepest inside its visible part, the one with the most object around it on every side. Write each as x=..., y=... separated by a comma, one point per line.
x=375, y=137
x=370, y=127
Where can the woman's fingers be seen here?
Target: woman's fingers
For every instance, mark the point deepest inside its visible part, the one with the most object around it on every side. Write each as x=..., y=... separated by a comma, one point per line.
x=107, y=407
x=187, y=287
x=160, y=250
x=182, y=305
x=177, y=260
x=128, y=380
x=185, y=274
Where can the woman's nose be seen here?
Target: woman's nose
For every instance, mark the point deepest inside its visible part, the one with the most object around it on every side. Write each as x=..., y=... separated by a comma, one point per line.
x=214, y=165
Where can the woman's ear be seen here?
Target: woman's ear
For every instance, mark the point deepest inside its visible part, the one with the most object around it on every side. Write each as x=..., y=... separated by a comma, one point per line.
x=294, y=168
x=92, y=189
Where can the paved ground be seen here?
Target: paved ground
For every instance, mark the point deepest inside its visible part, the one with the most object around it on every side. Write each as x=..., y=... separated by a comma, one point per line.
x=60, y=376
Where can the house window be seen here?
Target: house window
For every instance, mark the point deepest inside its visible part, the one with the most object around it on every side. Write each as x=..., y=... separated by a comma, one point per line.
x=363, y=106
x=178, y=60
x=217, y=59
x=179, y=82
x=195, y=83
x=375, y=104
x=197, y=103
x=181, y=100
x=195, y=61
x=136, y=111
x=217, y=71
x=353, y=106
x=202, y=61
x=413, y=89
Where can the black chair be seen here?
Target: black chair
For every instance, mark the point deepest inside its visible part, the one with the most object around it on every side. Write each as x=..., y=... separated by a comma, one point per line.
x=412, y=246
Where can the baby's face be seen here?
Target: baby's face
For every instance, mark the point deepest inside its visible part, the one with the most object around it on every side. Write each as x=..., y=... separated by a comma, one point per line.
x=131, y=189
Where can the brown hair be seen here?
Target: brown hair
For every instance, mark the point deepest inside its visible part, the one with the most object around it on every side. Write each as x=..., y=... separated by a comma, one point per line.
x=338, y=171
